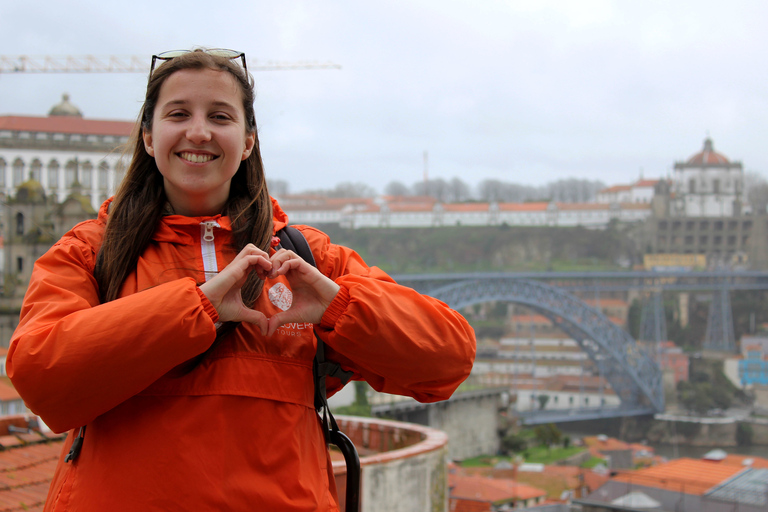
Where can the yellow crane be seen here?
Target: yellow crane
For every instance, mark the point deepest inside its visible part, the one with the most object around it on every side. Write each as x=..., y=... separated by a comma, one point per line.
x=121, y=64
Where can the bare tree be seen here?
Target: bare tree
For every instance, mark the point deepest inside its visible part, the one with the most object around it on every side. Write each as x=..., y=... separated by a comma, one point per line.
x=397, y=188
x=458, y=191
x=756, y=188
x=437, y=188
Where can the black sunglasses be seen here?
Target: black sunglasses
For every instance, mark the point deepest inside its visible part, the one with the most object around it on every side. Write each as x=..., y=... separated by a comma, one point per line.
x=217, y=52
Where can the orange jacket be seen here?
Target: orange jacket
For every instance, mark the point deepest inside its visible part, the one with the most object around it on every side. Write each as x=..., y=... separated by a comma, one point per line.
x=236, y=428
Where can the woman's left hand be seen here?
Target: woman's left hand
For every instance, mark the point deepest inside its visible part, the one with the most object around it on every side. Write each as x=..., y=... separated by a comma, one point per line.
x=312, y=291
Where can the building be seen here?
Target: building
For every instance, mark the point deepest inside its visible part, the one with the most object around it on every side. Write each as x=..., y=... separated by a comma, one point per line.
x=716, y=483
x=708, y=185
x=63, y=152
x=478, y=493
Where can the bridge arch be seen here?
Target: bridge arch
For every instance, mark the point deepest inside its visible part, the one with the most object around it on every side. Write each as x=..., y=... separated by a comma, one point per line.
x=632, y=374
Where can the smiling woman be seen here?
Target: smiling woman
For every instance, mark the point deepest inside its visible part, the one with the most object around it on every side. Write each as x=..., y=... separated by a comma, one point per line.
x=177, y=330
x=198, y=139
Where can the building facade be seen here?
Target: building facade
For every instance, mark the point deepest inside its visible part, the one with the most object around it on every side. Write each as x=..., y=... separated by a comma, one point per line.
x=64, y=153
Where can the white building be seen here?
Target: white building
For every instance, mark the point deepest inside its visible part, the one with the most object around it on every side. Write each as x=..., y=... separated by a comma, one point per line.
x=63, y=151
x=707, y=185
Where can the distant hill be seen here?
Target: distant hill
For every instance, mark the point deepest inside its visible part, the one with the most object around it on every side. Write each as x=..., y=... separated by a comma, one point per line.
x=490, y=248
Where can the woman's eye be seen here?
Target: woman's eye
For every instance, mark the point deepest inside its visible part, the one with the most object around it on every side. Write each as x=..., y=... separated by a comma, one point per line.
x=221, y=117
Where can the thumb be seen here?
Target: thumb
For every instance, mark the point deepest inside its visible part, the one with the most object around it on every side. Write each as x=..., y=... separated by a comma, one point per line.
x=281, y=318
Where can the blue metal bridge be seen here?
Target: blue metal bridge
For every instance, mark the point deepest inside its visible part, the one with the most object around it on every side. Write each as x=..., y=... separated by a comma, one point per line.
x=630, y=371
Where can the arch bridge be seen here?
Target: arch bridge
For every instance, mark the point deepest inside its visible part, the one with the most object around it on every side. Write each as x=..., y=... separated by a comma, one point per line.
x=633, y=375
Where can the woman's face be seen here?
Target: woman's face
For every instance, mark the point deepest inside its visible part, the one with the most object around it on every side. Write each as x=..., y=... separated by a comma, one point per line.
x=198, y=139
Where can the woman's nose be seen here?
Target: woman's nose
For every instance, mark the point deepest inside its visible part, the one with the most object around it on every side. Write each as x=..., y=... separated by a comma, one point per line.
x=198, y=131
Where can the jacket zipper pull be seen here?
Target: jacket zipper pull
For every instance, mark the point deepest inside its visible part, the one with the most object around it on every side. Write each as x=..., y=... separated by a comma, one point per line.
x=208, y=235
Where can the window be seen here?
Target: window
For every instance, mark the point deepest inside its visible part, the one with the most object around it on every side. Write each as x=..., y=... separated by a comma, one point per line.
x=18, y=172
x=716, y=186
x=86, y=175
x=19, y=223
x=70, y=174
x=36, y=170
x=692, y=186
x=103, y=176
x=53, y=174
x=19, y=264
x=2, y=172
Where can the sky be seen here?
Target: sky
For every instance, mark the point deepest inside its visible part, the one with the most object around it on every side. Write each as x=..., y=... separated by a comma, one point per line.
x=523, y=91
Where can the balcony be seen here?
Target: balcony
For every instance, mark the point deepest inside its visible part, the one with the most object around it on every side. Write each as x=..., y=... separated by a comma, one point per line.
x=403, y=465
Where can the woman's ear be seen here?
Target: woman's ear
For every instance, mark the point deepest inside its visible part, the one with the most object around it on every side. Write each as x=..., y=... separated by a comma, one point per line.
x=250, y=141
x=148, y=143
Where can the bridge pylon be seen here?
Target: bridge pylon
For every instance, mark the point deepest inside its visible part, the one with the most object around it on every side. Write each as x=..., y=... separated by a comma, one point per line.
x=720, y=336
x=653, y=322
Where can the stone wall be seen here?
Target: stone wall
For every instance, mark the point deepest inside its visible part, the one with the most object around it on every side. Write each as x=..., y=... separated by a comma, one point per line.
x=407, y=467
x=471, y=420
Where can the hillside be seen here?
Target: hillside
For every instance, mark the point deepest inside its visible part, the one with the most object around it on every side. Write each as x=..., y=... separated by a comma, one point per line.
x=489, y=248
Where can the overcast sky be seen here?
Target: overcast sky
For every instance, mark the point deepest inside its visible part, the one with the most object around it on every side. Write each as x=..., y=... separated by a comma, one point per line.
x=526, y=91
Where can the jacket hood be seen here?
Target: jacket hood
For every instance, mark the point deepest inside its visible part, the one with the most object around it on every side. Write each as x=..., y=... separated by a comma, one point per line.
x=279, y=217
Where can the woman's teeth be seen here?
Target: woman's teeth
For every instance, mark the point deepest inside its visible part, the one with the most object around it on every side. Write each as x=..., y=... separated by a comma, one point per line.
x=195, y=158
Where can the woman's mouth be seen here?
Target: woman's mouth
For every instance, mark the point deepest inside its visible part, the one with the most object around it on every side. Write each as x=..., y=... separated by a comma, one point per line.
x=196, y=158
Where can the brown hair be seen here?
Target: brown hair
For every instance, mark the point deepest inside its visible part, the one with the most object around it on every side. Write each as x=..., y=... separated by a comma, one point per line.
x=140, y=199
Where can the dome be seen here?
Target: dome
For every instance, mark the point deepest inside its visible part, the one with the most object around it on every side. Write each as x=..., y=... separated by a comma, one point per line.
x=708, y=156
x=65, y=108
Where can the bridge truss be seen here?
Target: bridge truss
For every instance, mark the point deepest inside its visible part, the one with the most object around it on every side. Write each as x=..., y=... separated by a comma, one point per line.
x=630, y=371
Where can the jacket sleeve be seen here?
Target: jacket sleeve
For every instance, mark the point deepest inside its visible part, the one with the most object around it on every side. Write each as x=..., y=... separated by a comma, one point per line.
x=72, y=358
x=399, y=341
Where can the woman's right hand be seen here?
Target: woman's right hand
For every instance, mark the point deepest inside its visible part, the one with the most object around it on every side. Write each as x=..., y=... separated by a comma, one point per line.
x=223, y=290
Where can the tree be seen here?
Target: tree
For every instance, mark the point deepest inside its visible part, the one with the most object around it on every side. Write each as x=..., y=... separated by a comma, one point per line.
x=543, y=399
x=458, y=191
x=756, y=188
x=547, y=435
x=396, y=188
x=513, y=443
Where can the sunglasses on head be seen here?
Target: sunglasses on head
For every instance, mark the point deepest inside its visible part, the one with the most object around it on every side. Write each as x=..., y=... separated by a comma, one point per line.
x=217, y=52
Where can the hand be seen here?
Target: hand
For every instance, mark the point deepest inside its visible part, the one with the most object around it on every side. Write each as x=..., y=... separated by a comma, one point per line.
x=223, y=290
x=312, y=291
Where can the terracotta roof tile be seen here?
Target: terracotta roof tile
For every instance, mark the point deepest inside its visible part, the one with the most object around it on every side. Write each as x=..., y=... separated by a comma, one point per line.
x=493, y=490
x=689, y=476
x=466, y=207
x=523, y=207
x=66, y=124
x=582, y=206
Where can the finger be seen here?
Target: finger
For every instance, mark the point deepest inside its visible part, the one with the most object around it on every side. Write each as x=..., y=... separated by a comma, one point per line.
x=275, y=322
x=255, y=317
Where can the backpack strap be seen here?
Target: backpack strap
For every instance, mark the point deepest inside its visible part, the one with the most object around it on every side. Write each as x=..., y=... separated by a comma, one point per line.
x=293, y=240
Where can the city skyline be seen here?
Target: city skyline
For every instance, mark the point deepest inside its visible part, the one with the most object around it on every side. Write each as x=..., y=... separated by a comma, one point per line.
x=518, y=91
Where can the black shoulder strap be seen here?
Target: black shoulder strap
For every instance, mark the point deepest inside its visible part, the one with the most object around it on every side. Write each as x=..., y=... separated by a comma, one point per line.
x=293, y=240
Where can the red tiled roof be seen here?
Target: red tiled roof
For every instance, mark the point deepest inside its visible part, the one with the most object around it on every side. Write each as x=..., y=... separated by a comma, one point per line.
x=466, y=207
x=523, y=207
x=646, y=183
x=462, y=505
x=66, y=124
x=583, y=206
x=708, y=156
x=615, y=188
x=410, y=207
x=493, y=490
x=27, y=465
x=689, y=476
x=7, y=391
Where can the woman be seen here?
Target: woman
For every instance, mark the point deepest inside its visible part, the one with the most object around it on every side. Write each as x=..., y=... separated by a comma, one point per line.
x=173, y=330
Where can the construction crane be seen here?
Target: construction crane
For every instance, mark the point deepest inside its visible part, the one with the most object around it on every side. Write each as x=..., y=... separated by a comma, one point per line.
x=121, y=64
